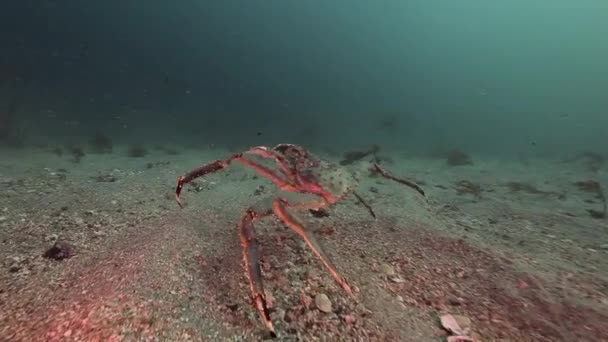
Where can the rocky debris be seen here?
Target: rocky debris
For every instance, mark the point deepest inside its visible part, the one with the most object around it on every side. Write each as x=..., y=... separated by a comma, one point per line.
x=457, y=325
x=388, y=270
x=16, y=264
x=458, y=158
x=59, y=251
x=104, y=178
x=319, y=213
x=323, y=303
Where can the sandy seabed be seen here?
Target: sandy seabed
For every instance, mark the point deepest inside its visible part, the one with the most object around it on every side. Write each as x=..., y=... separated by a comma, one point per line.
x=509, y=245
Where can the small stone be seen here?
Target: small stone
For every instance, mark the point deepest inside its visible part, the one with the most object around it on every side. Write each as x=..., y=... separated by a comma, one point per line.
x=2, y=218
x=397, y=279
x=604, y=246
x=114, y=202
x=455, y=300
x=349, y=319
x=78, y=220
x=387, y=269
x=59, y=251
x=99, y=233
x=15, y=267
x=323, y=303
x=456, y=324
x=51, y=237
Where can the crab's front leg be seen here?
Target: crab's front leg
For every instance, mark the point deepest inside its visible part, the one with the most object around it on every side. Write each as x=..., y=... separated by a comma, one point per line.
x=251, y=260
x=282, y=183
x=281, y=208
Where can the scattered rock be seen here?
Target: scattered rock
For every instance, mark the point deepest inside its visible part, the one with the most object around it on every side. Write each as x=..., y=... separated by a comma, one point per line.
x=388, y=270
x=397, y=279
x=104, y=178
x=51, y=237
x=349, y=319
x=59, y=251
x=323, y=303
x=460, y=339
x=458, y=158
x=98, y=233
x=604, y=246
x=455, y=301
x=16, y=265
x=319, y=213
x=456, y=324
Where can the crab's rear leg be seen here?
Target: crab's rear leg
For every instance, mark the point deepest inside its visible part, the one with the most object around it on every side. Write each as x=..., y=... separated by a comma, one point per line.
x=387, y=175
x=280, y=208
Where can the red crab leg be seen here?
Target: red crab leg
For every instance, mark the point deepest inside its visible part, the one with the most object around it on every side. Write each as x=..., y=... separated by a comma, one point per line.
x=218, y=165
x=251, y=260
x=279, y=207
x=267, y=153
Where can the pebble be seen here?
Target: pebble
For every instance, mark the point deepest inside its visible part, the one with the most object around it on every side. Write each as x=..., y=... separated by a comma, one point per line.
x=2, y=218
x=387, y=269
x=78, y=220
x=456, y=324
x=455, y=300
x=323, y=303
x=51, y=237
x=604, y=246
x=98, y=233
x=397, y=279
x=14, y=268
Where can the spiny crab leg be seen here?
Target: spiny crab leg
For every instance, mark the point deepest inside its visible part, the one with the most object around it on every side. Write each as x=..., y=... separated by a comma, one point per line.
x=405, y=182
x=217, y=165
x=279, y=206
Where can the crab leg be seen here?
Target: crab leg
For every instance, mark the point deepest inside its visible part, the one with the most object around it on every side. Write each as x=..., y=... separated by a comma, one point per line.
x=405, y=182
x=265, y=152
x=217, y=165
x=279, y=206
x=365, y=204
x=251, y=260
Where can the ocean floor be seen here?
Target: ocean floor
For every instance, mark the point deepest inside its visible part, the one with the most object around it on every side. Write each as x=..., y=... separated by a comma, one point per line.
x=509, y=245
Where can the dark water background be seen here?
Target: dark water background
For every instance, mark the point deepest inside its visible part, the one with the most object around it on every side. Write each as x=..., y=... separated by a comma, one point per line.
x=493, y=77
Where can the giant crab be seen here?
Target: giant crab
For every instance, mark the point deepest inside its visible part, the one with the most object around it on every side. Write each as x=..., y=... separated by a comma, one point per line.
x=304, y=182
